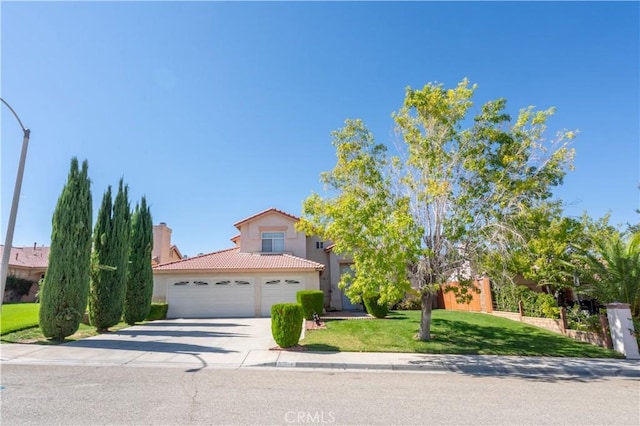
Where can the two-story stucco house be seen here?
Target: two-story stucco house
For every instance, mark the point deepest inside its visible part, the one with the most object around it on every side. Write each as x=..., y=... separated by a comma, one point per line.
x=270, y=262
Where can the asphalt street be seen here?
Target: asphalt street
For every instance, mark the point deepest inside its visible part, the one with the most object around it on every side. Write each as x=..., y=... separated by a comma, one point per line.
x=89, y=395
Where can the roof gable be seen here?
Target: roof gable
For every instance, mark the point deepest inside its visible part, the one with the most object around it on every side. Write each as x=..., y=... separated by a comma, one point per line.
x=264, y=213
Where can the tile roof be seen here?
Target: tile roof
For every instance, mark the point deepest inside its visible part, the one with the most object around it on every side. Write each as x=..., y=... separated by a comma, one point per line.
x=28, y=257
x=274, y=210
x=233, y=259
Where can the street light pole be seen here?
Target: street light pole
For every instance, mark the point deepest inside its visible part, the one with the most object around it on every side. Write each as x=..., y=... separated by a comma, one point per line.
x=6, y=252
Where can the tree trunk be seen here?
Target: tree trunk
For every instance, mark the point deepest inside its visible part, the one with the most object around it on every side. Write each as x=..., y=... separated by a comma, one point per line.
x=425, y=320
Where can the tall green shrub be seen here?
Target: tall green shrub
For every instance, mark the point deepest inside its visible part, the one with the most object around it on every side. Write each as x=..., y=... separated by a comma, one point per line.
x=312, y=301
x=286, y=324
x=374, y=307
x=137, y=302
x=63, y=296
x=110, y=260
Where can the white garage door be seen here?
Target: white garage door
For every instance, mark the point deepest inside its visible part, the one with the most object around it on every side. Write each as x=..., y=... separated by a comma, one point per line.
x=279, y=290
x=211, y=298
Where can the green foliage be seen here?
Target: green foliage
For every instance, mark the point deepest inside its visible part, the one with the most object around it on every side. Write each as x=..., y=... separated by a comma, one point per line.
x=455, y=191
x=18, y=286
x=547, y=305
x=580, y=320
x=63, y=296
x=367, y=222
x=535, y=304
x=410, y=303
x=110, y=260
x=140, y=280
x=286, y=324
x=374, y=306
x=157, y=311
x=312, y=301
x=609, y=269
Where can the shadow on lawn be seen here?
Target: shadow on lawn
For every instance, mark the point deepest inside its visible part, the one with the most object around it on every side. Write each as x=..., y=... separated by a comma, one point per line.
x=528, y=341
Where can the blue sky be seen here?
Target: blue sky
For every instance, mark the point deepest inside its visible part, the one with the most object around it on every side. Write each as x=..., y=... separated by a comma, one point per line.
x=216, y=111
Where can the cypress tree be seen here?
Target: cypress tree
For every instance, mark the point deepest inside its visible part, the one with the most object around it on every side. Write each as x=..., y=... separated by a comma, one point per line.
x=140, y=282
x=101, y=267
x=63, y=297
x=110, y=260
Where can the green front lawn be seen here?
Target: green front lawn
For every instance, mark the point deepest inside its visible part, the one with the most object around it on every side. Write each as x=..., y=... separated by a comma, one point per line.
x=19, y=324
x=18, y=316
x=452, y=332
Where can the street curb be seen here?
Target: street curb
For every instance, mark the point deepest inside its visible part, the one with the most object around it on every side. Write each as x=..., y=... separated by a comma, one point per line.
x=475, y=370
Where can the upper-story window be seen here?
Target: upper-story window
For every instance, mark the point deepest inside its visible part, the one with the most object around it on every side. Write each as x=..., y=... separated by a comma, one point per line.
x=273, y=242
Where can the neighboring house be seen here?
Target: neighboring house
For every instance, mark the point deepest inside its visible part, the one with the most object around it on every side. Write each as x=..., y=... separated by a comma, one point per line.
x=29, y=263
x=270, y=262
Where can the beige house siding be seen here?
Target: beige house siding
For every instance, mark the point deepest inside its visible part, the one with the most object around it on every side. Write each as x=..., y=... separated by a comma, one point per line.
x=251, y=234
x=317, y=253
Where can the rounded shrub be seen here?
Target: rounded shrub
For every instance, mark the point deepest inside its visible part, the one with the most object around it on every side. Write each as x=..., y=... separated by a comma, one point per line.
x=373, y=307
x=312, y=301
x=158, y=311
x=286, y=324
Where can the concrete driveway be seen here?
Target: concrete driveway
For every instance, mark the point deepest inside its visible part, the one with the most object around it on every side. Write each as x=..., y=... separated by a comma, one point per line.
x=188, y=343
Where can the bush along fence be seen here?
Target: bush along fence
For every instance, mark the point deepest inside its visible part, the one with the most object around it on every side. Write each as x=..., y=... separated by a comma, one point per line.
x=621, y=337
x=561, y=326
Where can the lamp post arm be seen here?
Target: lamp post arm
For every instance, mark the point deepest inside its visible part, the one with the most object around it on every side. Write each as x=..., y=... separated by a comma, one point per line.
x=6, y=252
x=24, y=130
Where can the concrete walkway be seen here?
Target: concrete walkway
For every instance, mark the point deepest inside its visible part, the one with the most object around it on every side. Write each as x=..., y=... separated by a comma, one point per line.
x=246, y=343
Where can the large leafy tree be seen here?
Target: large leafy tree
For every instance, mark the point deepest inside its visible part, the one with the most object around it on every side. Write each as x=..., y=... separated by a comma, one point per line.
x=455, y=191
x=110, y=260
x=140, y=275
x=63, y=298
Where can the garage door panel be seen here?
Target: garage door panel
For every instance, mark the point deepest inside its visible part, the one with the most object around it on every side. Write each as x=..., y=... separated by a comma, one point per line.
x=230, y=298
x=281, y=290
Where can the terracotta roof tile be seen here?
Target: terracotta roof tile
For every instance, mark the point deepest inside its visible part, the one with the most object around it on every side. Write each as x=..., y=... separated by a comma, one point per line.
x=237, y=224
x=28, y=257
x=233, y=259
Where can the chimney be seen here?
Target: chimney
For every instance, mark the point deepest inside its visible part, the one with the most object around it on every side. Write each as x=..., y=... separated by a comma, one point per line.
x=161, y=242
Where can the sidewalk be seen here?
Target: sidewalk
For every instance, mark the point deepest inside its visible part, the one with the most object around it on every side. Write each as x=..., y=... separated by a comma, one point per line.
x=477, y=365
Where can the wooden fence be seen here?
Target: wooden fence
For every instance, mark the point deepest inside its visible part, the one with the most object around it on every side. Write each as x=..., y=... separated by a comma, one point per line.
x=480, y=293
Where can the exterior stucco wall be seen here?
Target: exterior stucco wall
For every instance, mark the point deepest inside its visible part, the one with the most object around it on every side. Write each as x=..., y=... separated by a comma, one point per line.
x=251, y=234
x=316, y=253
x=34, y=274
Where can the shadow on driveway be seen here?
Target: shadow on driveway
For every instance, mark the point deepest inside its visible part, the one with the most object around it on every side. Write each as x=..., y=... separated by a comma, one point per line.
x=151, y=346
x=176, y=333
x=163, y=323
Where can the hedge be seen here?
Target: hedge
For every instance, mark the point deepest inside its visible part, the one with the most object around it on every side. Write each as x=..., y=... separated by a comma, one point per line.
x=286, y=324
x=373, y=308
x=312, y=302
x=158, y=311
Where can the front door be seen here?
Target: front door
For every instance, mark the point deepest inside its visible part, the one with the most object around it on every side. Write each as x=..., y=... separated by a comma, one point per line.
x=345, y=268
